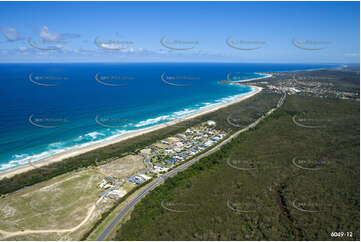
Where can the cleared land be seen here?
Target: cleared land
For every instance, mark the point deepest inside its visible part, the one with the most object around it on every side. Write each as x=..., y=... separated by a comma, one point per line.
x=123, y=167
x=62, y=208
x=62, y=205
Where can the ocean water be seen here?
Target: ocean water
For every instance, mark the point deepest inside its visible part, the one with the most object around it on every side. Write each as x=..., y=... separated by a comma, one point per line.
x=50, y=108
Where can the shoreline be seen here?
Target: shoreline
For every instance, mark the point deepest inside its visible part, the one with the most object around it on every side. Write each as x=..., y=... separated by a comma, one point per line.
x=78, y=151
x=256, y=78
x=314, y=69
x=267, y=75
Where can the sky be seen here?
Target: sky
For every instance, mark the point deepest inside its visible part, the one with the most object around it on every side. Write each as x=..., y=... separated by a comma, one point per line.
x=265, y=32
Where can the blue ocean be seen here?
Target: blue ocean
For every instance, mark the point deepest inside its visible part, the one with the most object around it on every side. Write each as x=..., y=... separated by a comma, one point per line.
x=52, y=108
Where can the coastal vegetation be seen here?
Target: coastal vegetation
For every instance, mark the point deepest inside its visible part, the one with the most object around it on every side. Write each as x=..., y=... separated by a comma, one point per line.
x=279, y=181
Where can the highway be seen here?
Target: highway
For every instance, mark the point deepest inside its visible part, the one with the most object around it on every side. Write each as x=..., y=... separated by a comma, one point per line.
x=180, y=168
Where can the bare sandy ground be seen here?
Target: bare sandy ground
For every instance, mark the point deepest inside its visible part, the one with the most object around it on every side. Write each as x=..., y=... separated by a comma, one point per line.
x=78, y=151
x=123, y=167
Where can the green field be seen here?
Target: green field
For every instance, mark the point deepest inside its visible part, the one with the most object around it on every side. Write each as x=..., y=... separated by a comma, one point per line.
x=279, y=181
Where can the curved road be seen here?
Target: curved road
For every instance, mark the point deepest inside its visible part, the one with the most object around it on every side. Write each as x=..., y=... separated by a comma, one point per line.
x=180, y=168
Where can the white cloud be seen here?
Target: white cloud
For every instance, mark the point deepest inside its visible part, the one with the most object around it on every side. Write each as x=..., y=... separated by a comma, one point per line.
x=49, y=36
x=46, y=35
x=23, y=48
x=11, y=34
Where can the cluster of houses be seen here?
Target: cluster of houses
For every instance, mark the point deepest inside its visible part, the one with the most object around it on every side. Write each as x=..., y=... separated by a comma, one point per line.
x=109, y=182
x=159, y=169
x=138, y=178
x=110, y=185
x=168, y=153
x=307, y=87
x=187, y=144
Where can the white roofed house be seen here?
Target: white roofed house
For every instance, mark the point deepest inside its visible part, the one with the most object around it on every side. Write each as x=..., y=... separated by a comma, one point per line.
x=107, y=186
x=181, y=136
x=196, y=138
x=160, y=169
x=208, y=143
x=102, y=183
x=211, y=123
x=139, y=177
x=145, y=177
x=179, y=144
x=191, y=153
x=169, y=151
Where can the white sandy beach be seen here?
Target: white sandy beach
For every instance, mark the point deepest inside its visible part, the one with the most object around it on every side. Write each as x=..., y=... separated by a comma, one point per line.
x=256, y=78
x=78, y=151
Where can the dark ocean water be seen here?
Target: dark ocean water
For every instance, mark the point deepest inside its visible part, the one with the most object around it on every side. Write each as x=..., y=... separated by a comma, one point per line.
x=50, y=108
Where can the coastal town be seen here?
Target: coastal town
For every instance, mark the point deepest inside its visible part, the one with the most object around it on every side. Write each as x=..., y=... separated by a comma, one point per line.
x=303, y=84
x=163, y=156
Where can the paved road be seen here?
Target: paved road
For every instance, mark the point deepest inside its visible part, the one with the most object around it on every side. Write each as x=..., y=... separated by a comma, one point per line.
x=182, y=167
x=148, y=163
